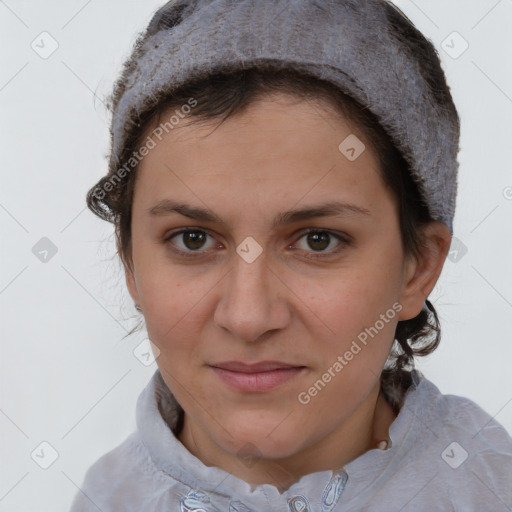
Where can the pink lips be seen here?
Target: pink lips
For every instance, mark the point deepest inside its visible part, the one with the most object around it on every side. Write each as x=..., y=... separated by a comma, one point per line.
x=255, y=377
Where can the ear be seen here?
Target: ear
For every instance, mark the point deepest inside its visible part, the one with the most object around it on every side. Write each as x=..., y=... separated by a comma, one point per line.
x=422, y=271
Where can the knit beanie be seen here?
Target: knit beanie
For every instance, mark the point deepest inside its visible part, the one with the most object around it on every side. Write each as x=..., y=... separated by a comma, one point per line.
x=367, y=48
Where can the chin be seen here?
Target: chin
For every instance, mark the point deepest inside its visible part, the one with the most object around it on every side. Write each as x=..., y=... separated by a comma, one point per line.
x=267, y=439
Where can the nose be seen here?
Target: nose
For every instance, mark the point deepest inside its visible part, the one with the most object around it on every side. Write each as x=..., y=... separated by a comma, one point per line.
x=254, y=301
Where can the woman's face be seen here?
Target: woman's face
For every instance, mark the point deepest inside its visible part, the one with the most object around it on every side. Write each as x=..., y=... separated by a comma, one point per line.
x=247, y=309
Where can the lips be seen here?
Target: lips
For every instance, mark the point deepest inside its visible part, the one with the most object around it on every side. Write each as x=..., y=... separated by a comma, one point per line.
x=255, y=377
x=263, y=366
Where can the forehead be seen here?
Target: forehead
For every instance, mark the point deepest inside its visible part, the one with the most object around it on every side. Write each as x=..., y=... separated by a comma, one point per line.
x=279, y=149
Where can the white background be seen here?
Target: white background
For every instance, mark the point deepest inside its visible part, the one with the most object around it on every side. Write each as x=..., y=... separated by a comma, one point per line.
x=66, y=375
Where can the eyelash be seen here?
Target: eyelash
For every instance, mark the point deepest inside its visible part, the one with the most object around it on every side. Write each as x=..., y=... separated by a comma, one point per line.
x=344, y=241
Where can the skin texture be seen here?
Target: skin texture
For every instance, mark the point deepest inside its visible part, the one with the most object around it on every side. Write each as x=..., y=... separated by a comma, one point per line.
x=280, y=154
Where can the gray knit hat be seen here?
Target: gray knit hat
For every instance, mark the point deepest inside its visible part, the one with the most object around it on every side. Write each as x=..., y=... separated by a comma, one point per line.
x=364, y=47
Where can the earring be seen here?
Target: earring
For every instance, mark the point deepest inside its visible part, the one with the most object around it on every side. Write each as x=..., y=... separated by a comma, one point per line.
x=138, y=308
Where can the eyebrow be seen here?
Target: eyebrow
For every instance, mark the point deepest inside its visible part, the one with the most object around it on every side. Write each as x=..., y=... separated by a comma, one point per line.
x=332, y=209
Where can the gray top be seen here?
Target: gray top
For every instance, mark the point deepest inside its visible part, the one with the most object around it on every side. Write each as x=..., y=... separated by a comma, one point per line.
x=446, y=454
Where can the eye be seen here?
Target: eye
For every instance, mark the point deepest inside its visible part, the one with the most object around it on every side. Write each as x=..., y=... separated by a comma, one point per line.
x=192, y=242
x=320, y=240
x=189, y=241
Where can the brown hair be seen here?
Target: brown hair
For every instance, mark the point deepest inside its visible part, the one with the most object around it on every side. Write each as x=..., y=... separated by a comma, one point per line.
x=222, y=95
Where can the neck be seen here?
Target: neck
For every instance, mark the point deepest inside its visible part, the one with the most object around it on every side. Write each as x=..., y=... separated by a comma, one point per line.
x=364, y=430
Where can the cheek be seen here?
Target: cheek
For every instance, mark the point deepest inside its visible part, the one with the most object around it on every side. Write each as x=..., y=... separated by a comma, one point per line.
x=361, y=313
x=358, y=311
x=172, y=314
x=361, y=325
x=355, y=298
x=173, y=298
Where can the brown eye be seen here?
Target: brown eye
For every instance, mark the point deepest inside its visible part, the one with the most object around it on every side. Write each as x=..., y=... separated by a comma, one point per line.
x=188, y=241
x=318, y=241
x=321, y=242
x=194, y=239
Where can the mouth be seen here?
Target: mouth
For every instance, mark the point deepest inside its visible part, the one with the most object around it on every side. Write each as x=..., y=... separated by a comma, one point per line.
x=255, y=377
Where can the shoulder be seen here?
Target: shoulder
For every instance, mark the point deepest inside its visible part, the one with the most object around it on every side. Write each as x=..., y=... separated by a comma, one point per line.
x=472, y=450
x=462, y=417
x=120, y=479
